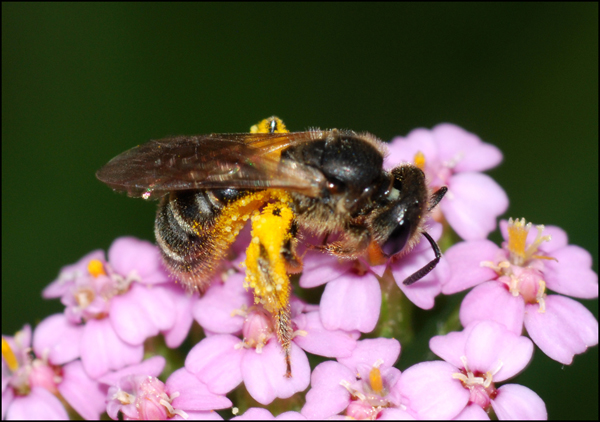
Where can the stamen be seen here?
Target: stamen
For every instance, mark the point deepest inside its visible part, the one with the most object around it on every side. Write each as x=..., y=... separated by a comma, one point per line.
x=354, y=393
x=301, y=333
x=243, y=311
x=513, y=287
x=488, y=380
x=124, y=397
x=541, y=296
x=538, y=240
x=419, y=160
x=375, y=380
x=517, y=236
x=96, y=268
x=9, y=356
x=171, y=410
x=498, y=367
x=499, y=269
x=463, y=359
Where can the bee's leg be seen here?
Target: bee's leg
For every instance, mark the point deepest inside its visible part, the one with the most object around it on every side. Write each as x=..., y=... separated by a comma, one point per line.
x=352, y=245
x=270, y=254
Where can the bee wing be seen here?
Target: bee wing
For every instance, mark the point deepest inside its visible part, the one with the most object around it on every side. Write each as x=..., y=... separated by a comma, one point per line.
x=242, y=161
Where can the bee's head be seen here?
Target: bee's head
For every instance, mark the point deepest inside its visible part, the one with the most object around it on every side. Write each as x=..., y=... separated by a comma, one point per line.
x=397, y=225
x=397, y=228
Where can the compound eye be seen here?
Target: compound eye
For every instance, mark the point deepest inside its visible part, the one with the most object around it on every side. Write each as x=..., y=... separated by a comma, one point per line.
x=397, y=240
x=336, y=186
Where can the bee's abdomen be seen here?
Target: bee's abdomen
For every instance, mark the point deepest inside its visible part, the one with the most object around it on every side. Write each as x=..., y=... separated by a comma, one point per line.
x=187, y=231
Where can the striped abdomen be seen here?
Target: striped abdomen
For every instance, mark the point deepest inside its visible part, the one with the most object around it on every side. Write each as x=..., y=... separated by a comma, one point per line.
x=194, y=230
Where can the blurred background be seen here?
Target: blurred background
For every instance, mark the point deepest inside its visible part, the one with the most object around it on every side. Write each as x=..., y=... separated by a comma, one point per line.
x=82, y=83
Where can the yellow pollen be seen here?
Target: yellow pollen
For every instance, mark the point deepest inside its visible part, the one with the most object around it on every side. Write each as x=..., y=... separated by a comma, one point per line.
x=520, y=253
x=95, y=268
x=264, y=126
x=375, y=380
x=9, y=356
x=419, y=160
x=517, y=236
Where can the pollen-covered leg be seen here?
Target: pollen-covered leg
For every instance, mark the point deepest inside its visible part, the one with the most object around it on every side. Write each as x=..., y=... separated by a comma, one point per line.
x=267, y=259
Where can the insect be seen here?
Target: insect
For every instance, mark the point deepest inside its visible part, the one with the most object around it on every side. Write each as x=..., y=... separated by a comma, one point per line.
x=322, y=181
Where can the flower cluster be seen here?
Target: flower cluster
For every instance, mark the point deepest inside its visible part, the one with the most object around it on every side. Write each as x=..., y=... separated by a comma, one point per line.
x=117, y=347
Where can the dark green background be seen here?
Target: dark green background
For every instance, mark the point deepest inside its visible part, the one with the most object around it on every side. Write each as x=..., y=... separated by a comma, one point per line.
x=84, y=82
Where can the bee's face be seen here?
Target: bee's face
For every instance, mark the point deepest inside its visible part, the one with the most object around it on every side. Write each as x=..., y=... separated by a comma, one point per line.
x=397, y=224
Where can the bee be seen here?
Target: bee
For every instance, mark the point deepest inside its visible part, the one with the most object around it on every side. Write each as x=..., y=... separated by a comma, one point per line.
x=321, y=181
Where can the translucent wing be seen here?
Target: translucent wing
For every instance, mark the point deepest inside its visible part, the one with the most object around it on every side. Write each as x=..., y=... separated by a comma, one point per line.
x=243, y=161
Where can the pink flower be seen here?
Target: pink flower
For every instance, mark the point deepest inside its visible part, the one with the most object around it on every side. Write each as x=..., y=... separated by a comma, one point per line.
x=514, y=280
x=476, y=358
x=423, y=292
x=453, y=157
x=222, y=360
x=31, y=383
x=260, y=414
x=113, y=307
x=363, y=385
x=138, y=394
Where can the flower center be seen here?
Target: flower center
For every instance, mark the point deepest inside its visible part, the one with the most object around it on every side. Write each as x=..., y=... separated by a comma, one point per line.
x=95, y=268
x=257, y=329
x=368, y=396
x=520, y=253
x=9, y=356
x=480, y=385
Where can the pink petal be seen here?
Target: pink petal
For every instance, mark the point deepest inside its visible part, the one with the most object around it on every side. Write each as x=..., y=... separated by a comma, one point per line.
x=264, y=373
x=451, y=347
x=491, y=346
x=431, y=392
x=102, y=349
x=320, y=341
x=571, y=274
x=39, y=404
x=518, y=403
x=183, y=317
x=255, y=414
x=351, y=302
x=194, y=415
x=327, y=397
x=129, y=255
x=492, y=301
x=320, y=268
x=58, y=339
x=423, y=292
x=214, y=310
x=216, y=361
x=152, y=367
x=83, y=394
x=369, y=351
x=403, y=149
x=472, y=413
x=142, y=312
x=472, y=204
x=392, y=414
x=290, y=416
x=193, y=394
x=565, y=329
x=465, y=260
x=467, y=149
